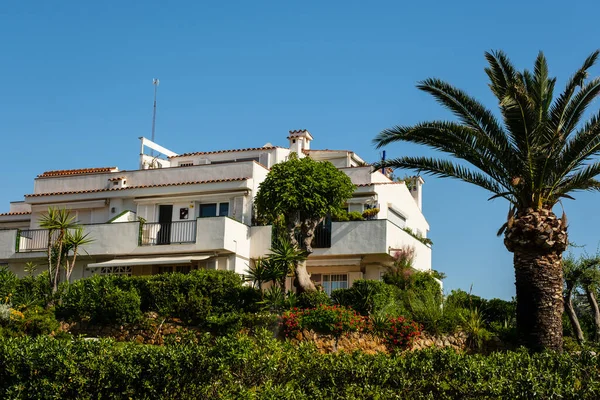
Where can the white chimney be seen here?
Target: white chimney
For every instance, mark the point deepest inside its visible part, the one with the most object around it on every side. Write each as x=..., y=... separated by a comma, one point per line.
x=416, y=190
x=300, y=141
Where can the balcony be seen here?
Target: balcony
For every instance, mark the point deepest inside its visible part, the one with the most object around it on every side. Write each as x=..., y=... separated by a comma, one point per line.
x=128, y=238
x=179, y=232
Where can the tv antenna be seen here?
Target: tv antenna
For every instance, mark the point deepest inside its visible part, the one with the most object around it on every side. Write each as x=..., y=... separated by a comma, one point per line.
x=155, y=82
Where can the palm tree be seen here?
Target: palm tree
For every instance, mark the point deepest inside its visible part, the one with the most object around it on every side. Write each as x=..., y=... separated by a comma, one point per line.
x=259, y=273
x=283, y=259
x=73, y=242
x=540, y=153
x=58, y=222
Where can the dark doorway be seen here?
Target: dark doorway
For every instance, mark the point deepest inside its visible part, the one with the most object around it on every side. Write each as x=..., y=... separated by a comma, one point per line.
x=165, y=217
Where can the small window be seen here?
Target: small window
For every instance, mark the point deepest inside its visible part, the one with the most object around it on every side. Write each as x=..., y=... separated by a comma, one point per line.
x=115, y=183
x=208, y=210
x=332, y=282
x=186, y=164
x=223, y=209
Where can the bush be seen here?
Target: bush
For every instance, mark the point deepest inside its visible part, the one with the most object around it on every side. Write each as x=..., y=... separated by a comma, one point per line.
x=355, y=216
x=333, y=320
x=8, y=285
x=98, y=299
x=399, y=332
x=313, y=299
x=368, y=297
x=239, y=367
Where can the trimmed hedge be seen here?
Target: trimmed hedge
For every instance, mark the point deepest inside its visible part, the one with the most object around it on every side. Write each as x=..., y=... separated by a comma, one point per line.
x=191, y=297
x=263, y=368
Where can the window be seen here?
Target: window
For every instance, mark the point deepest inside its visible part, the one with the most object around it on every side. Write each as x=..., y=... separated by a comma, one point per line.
x=332, y=282
x=396, y=218
x=208, y=210
x=125, y=270
x=186, y=164
x=223, y=209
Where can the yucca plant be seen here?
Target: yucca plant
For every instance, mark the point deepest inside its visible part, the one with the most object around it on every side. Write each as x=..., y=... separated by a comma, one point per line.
x=538, y=153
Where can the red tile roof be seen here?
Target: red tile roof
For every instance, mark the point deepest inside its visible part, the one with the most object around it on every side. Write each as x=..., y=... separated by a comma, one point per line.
x=81, y=171
x=201, y=153
x=379, y=183
x=137, y=187
x=118, y=178
x=15, y=213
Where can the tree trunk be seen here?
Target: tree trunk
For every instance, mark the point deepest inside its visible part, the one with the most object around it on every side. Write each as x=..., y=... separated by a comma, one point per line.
x=538, y=239
x=570, y=310
x=595, y=311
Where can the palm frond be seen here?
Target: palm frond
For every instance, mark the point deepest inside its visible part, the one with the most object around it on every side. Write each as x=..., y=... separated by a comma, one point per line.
x=447, y=169
x=458, y=140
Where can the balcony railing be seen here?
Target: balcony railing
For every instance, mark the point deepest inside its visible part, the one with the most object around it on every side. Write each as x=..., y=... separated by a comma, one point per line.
x=33, y=240
x=158, y=233
x=321, y=240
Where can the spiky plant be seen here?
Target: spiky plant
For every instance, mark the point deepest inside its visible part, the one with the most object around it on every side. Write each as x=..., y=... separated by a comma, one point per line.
x=540, y=152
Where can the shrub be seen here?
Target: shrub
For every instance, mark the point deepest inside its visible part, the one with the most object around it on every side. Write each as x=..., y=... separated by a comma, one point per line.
x=38, y=321
x=33, y=290
x=368, y=297
x=240, y=367
x=334, y=320
x=313, y=299
x=98, y=299
x=8, y=285
x=355, y=216
x=399, y=332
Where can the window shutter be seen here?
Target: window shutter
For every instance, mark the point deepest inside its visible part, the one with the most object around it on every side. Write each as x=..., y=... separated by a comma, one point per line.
x=238, y=208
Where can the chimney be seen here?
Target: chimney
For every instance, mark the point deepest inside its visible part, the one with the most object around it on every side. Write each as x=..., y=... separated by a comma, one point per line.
x=416, y=190
x=300, y=141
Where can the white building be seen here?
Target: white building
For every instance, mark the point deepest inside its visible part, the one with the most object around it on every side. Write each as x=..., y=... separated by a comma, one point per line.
x=179, y=212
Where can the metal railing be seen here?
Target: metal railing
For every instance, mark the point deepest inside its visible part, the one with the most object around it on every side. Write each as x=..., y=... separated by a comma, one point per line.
x=33, y=240
x=321, y=240
x=157, y=233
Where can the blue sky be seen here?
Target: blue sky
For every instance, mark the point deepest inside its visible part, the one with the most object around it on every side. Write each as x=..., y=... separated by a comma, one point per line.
x=76, y=90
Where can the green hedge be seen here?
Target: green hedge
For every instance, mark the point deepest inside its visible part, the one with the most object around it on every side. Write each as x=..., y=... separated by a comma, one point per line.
x=263, y=368
x=191, y=297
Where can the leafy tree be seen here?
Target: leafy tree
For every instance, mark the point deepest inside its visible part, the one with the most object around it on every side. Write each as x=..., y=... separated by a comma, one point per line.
x=573, y=271
x=74, y=240
x=300, y=193
x=540, y=153
x=589, y=281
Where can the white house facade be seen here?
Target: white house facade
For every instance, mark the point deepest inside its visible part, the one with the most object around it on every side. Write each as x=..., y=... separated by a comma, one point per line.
x=180, y=212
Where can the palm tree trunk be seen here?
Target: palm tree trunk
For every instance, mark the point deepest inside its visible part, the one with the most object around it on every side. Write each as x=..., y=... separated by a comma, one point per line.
x=538, y=239
x=570, y=310
x=595, y=311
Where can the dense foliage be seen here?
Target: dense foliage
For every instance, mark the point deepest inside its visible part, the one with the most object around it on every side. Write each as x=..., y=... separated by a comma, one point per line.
x=263, y=368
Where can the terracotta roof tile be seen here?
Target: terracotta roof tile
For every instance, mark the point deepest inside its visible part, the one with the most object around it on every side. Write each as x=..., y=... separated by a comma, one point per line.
x=379, y=183
x=200, y=153
x=81, y=171
x=137, y=187
x=118, y=178
x=15, y=213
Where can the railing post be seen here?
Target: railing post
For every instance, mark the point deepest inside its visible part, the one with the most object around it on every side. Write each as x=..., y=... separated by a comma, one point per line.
x=18, y=241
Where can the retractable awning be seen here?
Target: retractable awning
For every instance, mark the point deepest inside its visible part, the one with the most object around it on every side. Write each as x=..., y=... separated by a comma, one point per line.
x=125, y=262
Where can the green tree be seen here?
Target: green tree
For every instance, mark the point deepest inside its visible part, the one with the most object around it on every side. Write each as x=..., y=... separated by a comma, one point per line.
x=573, y=271
x=301, y=192
x=74, y=240
x=539, y=153
x=590, y=281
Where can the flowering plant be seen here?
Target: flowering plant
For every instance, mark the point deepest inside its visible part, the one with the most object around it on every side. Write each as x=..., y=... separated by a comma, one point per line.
x=334, y=320
x=400, y=332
